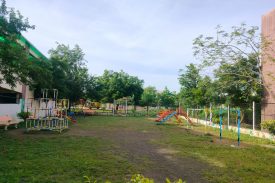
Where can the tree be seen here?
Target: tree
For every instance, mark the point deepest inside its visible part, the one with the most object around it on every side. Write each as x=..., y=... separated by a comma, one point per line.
x=149, y=97
x=195, y=89
x=240, y=91
x=205, y=93
x=168, y=98
x=189, y=80
x=116, y=85
x=228, y=48
x=69, y=71
x=16, y=64
x=94, y=89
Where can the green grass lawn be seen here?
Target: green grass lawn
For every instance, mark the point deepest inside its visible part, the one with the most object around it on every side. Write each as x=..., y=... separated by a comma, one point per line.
x=247, y=163
x=59, y=159
x=67, y=158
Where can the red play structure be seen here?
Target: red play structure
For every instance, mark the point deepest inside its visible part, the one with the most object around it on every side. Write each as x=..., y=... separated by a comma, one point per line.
x=167, y=114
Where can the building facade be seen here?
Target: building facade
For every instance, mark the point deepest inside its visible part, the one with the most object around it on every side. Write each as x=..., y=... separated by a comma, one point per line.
x=268, y=66
x=14, y=100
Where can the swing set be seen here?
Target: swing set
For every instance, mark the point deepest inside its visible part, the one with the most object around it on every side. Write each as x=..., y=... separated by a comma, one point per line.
x=121, y=105
x=220, y=123
x=238, y=111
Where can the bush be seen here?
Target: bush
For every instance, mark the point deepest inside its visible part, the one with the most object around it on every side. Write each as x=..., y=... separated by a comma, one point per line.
x=23, y=115
x=140, y=179
x=269, y=125
x=216, y=120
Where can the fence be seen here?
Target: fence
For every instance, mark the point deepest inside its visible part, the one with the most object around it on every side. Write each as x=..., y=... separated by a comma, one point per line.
x=130, y=113
x=251, y=116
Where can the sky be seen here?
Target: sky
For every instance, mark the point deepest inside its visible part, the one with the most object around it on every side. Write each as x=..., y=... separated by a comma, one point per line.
x=151, y=39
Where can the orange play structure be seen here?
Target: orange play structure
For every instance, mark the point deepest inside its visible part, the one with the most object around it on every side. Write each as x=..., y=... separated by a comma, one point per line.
x=181, y=112
x=168, y=114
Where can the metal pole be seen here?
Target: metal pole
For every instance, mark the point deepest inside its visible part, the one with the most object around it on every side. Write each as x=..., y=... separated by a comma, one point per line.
x=220, y=123
x=205, y=118
x=210, y=113
x=126, y=107
x=228, y=117
x=239, y=126
x=253, y=116
x=197, y=115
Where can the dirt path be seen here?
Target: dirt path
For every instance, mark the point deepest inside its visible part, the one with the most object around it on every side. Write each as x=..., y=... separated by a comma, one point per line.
x=159, y=163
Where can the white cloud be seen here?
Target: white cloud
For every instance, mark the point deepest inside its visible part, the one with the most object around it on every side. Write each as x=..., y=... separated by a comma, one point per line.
x=150, y=39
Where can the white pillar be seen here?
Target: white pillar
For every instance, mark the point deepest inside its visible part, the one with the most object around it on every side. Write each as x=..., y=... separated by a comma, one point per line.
x=254, y=116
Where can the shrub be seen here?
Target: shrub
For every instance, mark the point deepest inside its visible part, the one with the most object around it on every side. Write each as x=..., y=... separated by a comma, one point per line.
x=23, y=115
x=269, y=125
x=216, y=120
x=140, y=179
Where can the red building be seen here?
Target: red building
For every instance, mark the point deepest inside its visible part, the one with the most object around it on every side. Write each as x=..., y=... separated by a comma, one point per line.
x=268, y=66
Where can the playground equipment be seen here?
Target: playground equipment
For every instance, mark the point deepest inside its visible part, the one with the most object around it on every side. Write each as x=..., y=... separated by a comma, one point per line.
x=48, y=113
x=77, y=108
x=181, y=112
x=221, y=112
x=83, y=107
x=93, y=105
x=166, y=115
x=238, y=111
x=122, y=105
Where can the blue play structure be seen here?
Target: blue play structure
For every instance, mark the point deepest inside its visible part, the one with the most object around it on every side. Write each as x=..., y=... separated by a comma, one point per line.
x=166, y=118
x=239, y=123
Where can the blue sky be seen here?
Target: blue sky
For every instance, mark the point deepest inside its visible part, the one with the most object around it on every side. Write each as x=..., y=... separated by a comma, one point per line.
x=151, y=39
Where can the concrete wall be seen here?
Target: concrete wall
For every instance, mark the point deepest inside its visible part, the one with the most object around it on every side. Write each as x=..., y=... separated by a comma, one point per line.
x=268, y=66
x=17, y=88
x=13, y=109
x=9, y=109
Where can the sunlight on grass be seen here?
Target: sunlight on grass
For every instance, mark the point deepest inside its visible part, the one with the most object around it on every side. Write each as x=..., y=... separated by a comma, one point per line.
x=66, y=158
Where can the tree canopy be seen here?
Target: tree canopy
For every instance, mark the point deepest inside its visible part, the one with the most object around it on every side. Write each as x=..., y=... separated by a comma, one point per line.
x=196, y=90
x=116, y=85
x=149, y=97
x=168, y=98
x=70, y=73
x=228, y=47
x=16, y=64
x=234, y=58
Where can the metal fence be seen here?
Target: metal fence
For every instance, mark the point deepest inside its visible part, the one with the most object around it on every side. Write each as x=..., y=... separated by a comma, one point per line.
x=251, y=116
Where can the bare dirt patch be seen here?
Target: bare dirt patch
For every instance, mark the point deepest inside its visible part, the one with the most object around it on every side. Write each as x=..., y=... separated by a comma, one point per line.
x=156, y=162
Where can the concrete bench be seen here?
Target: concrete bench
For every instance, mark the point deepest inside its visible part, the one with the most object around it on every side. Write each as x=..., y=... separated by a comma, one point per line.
x=7, y=121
